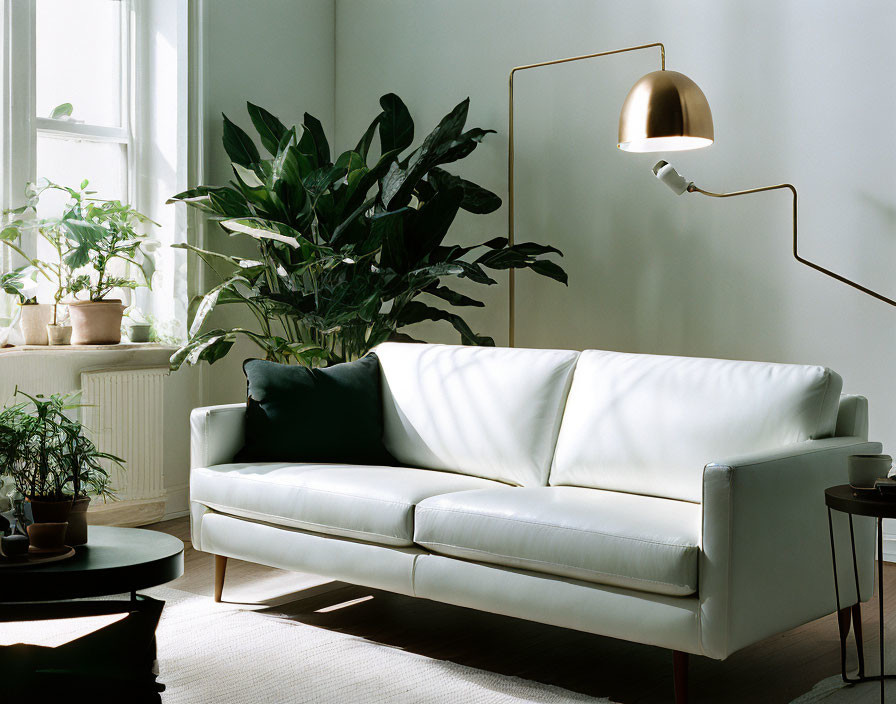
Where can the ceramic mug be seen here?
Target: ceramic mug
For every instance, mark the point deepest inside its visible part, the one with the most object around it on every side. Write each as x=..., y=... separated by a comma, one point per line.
x=864, y=470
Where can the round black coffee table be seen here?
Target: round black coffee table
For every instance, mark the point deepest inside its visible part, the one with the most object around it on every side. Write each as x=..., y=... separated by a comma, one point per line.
x=121, y=657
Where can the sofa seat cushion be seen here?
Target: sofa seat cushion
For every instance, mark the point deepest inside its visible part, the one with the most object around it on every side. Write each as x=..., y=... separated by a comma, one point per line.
x=606, y=537
x=369, y=503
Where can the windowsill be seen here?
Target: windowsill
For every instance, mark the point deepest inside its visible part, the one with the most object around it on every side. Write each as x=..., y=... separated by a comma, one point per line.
x=120, y=347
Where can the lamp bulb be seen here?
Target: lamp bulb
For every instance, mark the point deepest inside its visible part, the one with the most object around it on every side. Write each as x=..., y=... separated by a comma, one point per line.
x=666, y=173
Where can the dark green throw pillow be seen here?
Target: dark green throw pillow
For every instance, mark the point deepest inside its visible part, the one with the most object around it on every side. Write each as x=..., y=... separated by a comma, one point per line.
x=332, y=414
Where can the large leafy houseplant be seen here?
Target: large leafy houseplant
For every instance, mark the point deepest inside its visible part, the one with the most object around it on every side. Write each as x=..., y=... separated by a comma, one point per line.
x=347, y=246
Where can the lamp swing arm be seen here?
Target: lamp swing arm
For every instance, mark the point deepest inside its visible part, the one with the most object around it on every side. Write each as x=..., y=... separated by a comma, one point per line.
x=796, y=255
x=510, y=223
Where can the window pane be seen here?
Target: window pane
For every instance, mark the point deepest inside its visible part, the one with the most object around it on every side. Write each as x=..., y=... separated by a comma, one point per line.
x=79, y=59
x=68, y=162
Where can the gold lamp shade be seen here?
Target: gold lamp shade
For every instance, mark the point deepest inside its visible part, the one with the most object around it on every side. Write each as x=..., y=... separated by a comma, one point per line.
x=665, y=111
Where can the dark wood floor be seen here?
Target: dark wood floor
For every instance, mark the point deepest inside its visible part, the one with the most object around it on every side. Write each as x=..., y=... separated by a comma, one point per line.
x=773, y=671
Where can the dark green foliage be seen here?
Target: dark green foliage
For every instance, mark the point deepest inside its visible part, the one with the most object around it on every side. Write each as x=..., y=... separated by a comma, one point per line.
x=345, y=246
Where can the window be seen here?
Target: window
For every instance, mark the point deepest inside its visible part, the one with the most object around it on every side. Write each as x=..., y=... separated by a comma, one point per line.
x=82, y=57
x=97, y=90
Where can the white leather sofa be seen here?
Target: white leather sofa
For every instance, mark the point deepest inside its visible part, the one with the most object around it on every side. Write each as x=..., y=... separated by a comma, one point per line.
x=671, y=501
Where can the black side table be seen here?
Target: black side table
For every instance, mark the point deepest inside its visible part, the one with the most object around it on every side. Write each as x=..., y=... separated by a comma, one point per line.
x=116, y=661
x=843, y=498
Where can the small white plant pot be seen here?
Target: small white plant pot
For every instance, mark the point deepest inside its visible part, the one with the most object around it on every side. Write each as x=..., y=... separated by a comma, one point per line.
x=59, y=334
x=34, y=321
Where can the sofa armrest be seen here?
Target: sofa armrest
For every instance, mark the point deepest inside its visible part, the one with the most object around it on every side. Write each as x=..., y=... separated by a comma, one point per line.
x=765, y=565
x=217, y=433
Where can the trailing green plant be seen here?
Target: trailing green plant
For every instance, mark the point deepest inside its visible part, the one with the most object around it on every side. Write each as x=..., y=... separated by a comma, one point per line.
x=350, y=249
x=46, y=452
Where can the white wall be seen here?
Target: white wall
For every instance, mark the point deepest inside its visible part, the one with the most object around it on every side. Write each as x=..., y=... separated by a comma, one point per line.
x=800, y=92
x=278, y=54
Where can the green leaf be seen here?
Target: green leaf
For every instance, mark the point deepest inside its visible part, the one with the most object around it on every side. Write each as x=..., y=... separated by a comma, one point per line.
x=388, y=229
x=396, y=125
x=262, y=230
x=9, y=233
x=270, y=129
x=247, y=176
x=210, y=300
x=398, y=184
x=533, y=249
x=363, y=146
x=349, y=161
x=415, y=312
x=453, y=297
x=210, y=347
x=463, y=145
x=61, y=111
x=476, y=199
x=430, y=224
x=316, y=130
x=550, y=269
x=239, y=146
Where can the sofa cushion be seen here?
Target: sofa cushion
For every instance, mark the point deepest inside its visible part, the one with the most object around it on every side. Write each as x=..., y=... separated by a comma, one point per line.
x=369, y=503
x=648, y=424
x=297, y=414
x=605, y=537
x=483, y=411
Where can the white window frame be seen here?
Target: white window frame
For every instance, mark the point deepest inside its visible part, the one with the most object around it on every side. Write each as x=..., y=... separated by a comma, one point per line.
x=167, y=112
x=23, y=125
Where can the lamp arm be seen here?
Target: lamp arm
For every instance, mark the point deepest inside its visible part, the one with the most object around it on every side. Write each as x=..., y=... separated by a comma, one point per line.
x=510, y=224
x=796, y=255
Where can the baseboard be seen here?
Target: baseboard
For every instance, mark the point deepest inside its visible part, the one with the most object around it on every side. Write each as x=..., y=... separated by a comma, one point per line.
x=171, y=515
x=126, y=513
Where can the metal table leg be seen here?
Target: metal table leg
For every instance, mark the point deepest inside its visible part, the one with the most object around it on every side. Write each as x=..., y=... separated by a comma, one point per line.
x=843, y=614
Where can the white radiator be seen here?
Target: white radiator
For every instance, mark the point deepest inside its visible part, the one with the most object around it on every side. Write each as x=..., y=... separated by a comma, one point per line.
x=124, y=413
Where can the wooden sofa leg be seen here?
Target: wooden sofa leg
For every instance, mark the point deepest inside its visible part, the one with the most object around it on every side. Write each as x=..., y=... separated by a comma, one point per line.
x=680, y=676
x=220, y=569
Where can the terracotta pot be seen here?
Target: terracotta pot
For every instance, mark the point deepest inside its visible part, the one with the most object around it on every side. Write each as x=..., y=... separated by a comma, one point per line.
x=59, y=334
x=47, y=536
x=77, y=522
x=34, y=321
x=96, y=322
x=46, y=511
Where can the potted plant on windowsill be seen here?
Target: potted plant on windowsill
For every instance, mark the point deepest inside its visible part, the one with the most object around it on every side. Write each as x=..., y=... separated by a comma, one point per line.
x=101, y=235
x=43, y=323
x=54, y=466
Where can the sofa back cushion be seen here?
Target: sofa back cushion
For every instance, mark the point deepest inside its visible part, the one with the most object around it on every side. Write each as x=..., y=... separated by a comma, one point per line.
x=648, y=424
x=484, y=411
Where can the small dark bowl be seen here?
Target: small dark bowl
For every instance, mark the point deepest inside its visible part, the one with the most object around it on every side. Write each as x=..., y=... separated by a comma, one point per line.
x=14, y=547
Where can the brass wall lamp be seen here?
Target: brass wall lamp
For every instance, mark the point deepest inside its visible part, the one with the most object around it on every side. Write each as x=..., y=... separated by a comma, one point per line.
x=664, y=111
x=668, y=175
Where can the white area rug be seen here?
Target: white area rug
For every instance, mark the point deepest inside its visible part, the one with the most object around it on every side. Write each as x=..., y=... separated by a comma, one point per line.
x=220, y=653
x=833, y=690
